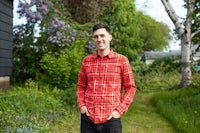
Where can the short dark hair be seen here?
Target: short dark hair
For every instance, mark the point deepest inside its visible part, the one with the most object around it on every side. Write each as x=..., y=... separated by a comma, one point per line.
x=100, y=26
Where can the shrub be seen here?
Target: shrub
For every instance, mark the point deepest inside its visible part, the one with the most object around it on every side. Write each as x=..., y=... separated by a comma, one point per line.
x=56, y=70
x=155, y=77
x=62, y=71
x=166, y=65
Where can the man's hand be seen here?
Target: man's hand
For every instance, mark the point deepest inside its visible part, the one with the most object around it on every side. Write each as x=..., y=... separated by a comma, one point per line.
x=114, y=114
x=84, y=110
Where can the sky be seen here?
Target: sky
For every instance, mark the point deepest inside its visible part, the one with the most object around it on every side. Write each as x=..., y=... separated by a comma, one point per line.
x=16, y=20
x=154, y=8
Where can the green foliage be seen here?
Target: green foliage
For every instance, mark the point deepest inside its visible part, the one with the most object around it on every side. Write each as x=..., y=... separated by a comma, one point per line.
x=153, y=77
x=155, y=81
x=49, y=32
x=86, y=11
x=56, y=71
x=196, y=22
x=166, y=65
x=29, y=109
x=25, y=55
x=154, y=35
x=124, y=26
x=181, y=107
x=134, y=32
x=33, y=40
x=61, y=71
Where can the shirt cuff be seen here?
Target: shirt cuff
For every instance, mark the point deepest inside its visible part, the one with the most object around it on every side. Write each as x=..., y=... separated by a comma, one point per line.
x=80, y=106
x=120, y=110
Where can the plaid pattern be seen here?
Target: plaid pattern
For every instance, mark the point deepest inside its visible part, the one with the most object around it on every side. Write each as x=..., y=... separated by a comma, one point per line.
x=100, y=83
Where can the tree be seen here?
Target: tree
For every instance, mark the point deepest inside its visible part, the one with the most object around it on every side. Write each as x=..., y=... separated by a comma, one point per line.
x=124, y=27
x=134, y=32
x=84, y=11
x=53, y=35
x=154, y=35
x=185, y=33
x=196, y=22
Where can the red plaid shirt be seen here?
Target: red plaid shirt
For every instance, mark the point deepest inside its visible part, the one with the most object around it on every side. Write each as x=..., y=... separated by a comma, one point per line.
x=100, y=84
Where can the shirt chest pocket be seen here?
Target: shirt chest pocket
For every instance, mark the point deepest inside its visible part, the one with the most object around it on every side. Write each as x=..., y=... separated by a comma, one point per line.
x=113, y=69
x=102, y=72
x=113, y=74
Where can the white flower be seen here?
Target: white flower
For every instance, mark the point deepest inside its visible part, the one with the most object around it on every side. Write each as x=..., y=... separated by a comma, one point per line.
x=28, y=1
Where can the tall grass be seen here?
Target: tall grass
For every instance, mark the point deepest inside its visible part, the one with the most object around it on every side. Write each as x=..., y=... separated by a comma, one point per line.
x=181, y=107
x=29, y=109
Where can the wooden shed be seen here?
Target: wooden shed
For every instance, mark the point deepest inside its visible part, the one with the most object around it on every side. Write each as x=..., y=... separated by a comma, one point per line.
x=6, y=41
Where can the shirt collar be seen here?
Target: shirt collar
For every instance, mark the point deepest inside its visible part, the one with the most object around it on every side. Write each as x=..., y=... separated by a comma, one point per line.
x=110, y=54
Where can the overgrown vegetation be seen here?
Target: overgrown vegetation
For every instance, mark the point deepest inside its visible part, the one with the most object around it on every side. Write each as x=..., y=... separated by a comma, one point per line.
x=61, y=71
x=53, y=27
x=160, y=75
x=38, y=107
x=47, y=102
x=28, y=109
x=181, y=107
x=33, y=108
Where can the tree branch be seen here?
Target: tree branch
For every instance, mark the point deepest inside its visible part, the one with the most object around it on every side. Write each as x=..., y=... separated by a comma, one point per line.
x=195, y=33
x=171, y=13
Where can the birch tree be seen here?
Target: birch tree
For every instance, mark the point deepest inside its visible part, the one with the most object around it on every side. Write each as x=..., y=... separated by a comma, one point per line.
x=185, y=35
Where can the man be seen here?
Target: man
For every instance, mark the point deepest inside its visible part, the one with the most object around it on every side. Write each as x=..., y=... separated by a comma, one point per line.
x=101, y=79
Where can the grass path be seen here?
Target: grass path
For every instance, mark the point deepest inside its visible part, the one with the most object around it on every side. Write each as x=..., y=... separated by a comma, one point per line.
x=143, y=118
x=140, y=118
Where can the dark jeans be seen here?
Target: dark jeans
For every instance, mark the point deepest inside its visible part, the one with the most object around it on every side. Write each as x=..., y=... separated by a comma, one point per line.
x=112, y=126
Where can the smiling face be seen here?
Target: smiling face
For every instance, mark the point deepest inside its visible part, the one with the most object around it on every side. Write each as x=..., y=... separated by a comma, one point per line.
x=102, y=39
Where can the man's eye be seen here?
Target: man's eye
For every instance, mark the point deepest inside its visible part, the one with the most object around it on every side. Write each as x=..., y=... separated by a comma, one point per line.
x=102, y=35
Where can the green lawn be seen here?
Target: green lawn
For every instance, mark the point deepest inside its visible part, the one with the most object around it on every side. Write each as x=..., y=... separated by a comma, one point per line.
x=143, y=118
x=140, y=118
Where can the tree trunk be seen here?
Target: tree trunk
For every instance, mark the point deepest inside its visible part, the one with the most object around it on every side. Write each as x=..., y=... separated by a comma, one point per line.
x=186, y=39
x=186, y=71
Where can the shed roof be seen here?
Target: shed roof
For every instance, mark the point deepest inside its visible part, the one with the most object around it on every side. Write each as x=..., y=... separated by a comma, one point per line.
x=159, y=55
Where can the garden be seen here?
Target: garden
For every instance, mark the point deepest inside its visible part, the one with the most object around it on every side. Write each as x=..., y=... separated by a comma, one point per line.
x=47, y=53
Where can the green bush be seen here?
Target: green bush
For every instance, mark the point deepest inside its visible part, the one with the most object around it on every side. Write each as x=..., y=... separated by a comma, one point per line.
x=166, y=65
x=155, y=77
x=56, y=70
x=62, y=71
x=30, y=109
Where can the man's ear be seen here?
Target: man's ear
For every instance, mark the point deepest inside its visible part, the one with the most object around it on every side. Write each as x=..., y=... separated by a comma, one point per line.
x=110, y=37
